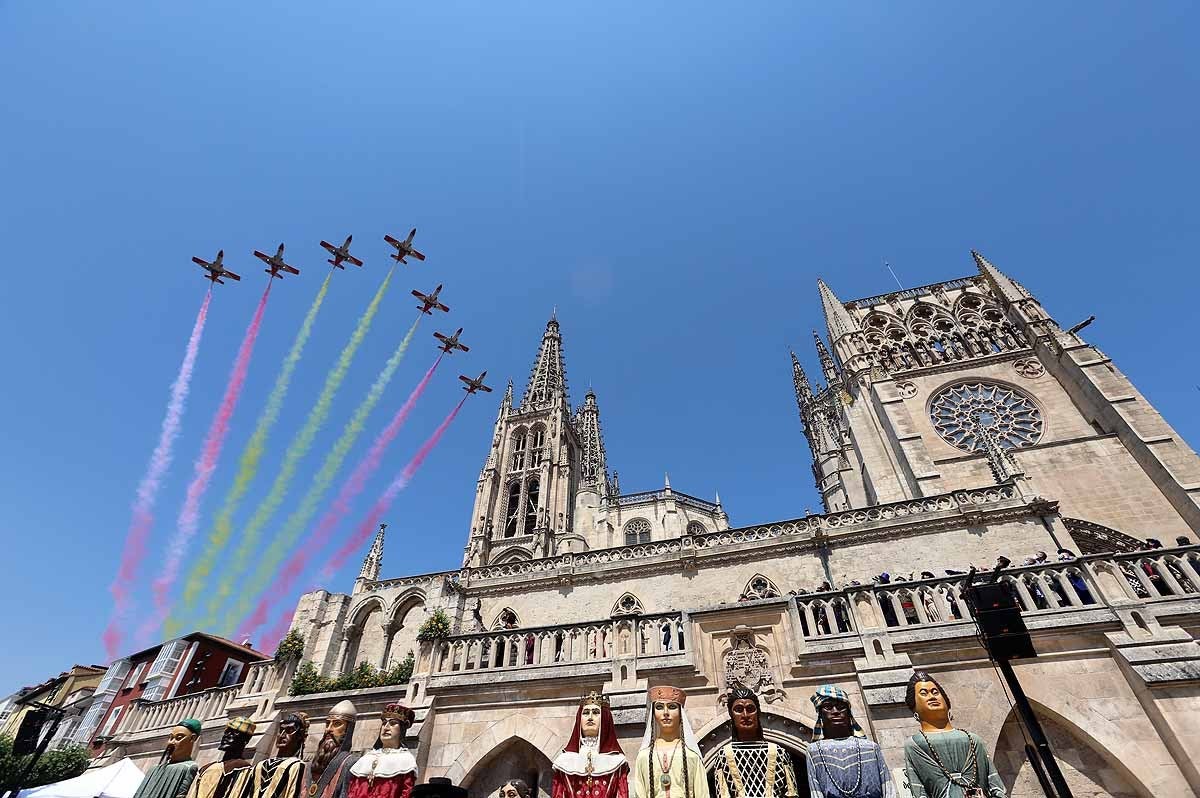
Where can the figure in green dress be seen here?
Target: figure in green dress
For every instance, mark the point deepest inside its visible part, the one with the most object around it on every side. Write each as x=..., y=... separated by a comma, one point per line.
x=174, y=773
x=940, y=760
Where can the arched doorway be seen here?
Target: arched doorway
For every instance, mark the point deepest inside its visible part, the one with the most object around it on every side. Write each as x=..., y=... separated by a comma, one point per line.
x=787, y=732
x=1088, y=770
x=515, y=758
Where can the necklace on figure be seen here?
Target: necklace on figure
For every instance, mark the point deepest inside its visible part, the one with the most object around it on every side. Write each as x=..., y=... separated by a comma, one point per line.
x=665, y=760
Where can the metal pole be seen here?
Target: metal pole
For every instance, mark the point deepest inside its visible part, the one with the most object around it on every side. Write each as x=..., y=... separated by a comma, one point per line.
x=1030, y=721
x=1035, y=761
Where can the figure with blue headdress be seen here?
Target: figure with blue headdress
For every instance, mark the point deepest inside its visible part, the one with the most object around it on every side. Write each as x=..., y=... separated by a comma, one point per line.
x=842, y=762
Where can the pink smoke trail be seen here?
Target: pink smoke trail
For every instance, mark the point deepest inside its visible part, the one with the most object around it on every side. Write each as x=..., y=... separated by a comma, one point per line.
x=189, y=515
x=367, y=528
x=325, y=528
x=147, y=490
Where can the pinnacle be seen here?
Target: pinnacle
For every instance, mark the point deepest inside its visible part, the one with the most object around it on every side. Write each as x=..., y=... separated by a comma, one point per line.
x=837, y=318
x=1005, y=286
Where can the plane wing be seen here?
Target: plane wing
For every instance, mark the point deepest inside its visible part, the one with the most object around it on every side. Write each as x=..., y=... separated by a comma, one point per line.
x=441, y=307
x=464, y=347
x=439, y=336
x=416, y=254
x=332, y=249
x=354, y=260
x=419, y=295
x=264, y=258
x=391, y=241
x=230, y=275
x=201, y=262
x=291, y=269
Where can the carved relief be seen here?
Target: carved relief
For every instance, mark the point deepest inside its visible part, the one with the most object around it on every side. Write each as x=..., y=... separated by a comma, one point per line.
x=906, y=389
x=749, y=665
x=1029, y=367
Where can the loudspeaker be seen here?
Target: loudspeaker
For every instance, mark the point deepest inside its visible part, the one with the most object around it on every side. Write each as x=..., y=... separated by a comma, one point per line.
x=999, y=616
x=30, y=732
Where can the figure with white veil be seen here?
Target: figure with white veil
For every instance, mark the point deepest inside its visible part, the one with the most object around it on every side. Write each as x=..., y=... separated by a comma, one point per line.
x=668, y=763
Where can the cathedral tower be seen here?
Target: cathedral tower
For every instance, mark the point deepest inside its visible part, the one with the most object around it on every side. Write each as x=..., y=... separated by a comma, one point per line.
x=963, y=383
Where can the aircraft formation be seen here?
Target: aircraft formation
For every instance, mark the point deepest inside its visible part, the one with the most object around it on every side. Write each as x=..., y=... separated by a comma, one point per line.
x=428, y=303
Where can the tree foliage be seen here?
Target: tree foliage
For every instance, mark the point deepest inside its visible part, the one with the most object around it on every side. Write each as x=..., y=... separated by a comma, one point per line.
x=436, y=627
x=290, y=648
x=54, y=765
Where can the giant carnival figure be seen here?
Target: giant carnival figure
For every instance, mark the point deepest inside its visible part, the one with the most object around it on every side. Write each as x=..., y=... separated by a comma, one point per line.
x=592, y=764
x=173, y=774
x=282, y=776
x=669, y=764
x=940, y=760
x=229, y=777
x=749, y=766
x=842, y=762
x=388, y=770
x=331, y=762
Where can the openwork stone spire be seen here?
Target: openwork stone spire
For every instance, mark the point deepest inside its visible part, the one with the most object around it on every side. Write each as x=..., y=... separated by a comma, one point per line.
x=373, y=562
x=548, y=380
x=828, y=367
x=837, y=318
x=1006, y=288
x=800, y=381
x=593, y=462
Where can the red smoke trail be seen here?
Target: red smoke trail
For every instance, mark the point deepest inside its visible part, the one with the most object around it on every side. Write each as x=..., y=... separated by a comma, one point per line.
x=147, y=491
x=189, y=515
x=369, y=524
x=325, y=528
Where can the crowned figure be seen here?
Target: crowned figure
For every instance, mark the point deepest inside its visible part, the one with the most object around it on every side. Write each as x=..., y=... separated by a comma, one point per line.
x=842, y=762
x=282, y=775
x=940, y=760
x=669, y=764
x=749, y=766
x=388, y=770
x=229, y=777
x=592, y=764
x=176, y=769
x=330, y=765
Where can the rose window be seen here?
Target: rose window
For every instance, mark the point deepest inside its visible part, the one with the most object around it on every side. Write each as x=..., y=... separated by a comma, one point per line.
x=963, y=414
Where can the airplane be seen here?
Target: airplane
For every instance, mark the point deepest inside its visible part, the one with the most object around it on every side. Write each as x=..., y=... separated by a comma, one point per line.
x=216, y=270
x=450, y=343
x=474, y=385
x=275, y=263
x=430, y=302
x=404, y=248
x=341, y=253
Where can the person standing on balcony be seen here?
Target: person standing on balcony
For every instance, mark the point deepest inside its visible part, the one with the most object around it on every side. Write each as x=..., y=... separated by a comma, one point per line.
x=330, y=765
x=174, y=773
x=592, y=764
x=282, y=776
x=229, y=777
x=388, y=770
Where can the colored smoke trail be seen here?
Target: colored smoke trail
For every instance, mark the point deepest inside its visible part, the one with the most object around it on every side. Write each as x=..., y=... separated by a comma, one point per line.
x=147, y=491
x=247, y=468
x=299, y=519
x=367, y=528
x=325, y=528
x=214, y=440
x=296, y=451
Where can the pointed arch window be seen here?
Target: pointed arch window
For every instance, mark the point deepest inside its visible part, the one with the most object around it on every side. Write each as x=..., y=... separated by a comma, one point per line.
x=627, y=604
x=512, y=513
x=539, y=442
x=637, y=531
x=518, y=451
x=531, y=505
x=506, y=619
x=759, y=587
x=695, y=528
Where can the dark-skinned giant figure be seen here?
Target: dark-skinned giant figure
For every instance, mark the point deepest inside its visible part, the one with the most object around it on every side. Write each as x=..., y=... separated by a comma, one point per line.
x=842, y=762
x=282, y=776
x=229, y=777
x=750, y=766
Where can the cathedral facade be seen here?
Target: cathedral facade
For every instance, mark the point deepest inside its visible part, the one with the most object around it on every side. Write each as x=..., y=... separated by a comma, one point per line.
x=952, y=424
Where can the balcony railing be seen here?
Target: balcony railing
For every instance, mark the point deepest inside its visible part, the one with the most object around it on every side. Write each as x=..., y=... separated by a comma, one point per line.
x=595, y=641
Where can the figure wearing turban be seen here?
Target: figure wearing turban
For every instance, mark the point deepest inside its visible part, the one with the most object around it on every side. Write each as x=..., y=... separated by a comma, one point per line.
x=229, y=777
x=842, y=762
x=668, y=764
x=592, y=764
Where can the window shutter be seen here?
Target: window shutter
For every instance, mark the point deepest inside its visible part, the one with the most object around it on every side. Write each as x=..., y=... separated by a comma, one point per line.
x=114, y=677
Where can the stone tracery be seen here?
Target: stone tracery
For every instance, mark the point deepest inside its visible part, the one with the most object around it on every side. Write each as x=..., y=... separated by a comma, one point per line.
x=963, y=412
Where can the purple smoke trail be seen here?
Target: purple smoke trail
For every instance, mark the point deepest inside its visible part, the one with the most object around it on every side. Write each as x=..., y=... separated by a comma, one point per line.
x=189, y=515
x=325, y=528
x=147, y=491
x=367, y=527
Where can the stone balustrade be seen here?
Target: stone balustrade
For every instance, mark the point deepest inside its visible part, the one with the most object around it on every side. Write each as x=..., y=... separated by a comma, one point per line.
x=596, y=641
x=158, y=716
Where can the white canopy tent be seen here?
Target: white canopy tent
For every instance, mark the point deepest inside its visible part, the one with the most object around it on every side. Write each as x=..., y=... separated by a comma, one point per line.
x=119, y=780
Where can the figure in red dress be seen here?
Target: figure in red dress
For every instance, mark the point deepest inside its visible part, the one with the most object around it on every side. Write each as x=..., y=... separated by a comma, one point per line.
x=388, y=770
x=592, y=765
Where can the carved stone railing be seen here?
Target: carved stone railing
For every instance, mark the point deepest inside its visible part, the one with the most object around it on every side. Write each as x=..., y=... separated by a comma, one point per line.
x=146, y=716
x=595, y=641
x=909, y=293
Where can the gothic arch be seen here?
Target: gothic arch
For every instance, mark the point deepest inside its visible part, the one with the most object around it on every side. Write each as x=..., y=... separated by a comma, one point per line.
x=627, y=604
x=760, y=587
x=639, y=529
x=499, y=621
x=696, y=528
x=513, y=554
x=780, y=725
x=363, y=610
x=481, y=751
x=405, y=601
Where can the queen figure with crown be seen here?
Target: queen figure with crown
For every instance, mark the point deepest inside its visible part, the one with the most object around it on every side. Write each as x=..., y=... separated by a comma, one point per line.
x=592, y=764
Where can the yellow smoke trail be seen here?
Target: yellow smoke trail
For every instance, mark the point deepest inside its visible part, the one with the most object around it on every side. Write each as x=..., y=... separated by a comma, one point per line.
x=298, y=521
x=247, y=470
x=291, y=461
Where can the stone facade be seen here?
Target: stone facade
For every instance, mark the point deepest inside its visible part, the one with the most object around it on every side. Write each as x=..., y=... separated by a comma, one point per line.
x=956, y=423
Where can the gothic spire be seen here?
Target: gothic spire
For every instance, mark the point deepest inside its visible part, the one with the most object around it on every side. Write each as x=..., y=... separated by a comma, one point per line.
x=548, y=380
x=507, y=402
x=837, y=318
x=374, y=559
x=828, y=367
x=593, y=462
x=800, y=381
x=1005, y=287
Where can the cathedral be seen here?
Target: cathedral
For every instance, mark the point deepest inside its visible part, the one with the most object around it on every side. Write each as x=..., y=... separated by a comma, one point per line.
x=950, y=425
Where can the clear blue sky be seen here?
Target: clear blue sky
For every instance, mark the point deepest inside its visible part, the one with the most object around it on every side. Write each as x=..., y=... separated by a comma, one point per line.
x=673, y=177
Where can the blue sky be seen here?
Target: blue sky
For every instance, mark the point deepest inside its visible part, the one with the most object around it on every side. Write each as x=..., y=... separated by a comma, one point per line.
x=673, y=177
